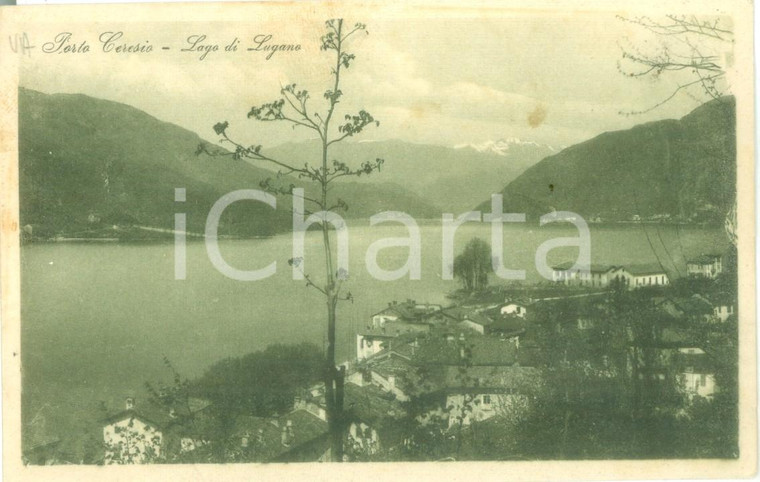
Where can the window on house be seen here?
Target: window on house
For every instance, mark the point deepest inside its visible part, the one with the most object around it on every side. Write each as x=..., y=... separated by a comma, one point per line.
x=703, y=379
x=486, y=399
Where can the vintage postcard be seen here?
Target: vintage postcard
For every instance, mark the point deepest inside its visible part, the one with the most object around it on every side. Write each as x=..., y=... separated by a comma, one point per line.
x=362, y=240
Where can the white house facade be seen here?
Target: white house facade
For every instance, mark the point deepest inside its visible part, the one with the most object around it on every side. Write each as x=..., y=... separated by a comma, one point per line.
x=641, y=276
x=368, y=345
x=723, y=312
x=696, y=376
x=130, y=438
x=515, y=309
x=705, y=266
x=701, y=384
x=596, y=275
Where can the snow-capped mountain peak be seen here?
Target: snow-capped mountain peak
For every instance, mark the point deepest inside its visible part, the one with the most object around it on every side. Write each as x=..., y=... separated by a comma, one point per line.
x=502, y=146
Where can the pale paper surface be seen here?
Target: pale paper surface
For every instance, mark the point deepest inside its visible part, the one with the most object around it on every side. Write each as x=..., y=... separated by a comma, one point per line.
x=54, y=18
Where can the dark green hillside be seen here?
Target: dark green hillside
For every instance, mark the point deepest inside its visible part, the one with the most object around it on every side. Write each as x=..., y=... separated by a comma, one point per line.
x=684, y=169
x=79, y=155
x=87, y=164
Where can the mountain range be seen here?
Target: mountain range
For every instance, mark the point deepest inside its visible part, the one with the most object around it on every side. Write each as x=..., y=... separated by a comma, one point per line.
x=681, y=170
x=505, y=147
x=87, y=164
x=452, y=179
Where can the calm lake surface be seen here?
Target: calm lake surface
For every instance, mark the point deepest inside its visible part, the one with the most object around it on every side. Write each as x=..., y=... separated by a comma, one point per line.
x=98, y=318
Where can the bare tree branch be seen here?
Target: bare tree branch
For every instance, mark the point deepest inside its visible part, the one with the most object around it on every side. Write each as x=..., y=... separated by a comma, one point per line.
x=694, y=37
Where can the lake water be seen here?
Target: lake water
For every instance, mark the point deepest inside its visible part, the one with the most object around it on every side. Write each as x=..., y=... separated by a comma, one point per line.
x=98, y=318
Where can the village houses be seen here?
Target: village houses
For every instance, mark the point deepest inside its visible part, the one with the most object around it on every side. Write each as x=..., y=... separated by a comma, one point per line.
x=397, y=319
x=705, y=266
x=150, y=432
x=633, y=276
x=466, y=368
x=643, y=275
x=597, y=275
x=465, y=364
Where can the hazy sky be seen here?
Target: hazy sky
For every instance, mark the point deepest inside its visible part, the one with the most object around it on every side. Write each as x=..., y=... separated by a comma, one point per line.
x=444, y=81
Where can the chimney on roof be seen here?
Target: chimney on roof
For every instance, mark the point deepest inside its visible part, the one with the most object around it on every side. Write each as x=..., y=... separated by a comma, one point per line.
x=130, y=403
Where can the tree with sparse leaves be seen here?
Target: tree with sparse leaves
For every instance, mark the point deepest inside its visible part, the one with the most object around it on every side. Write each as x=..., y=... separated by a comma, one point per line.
x=293, y=108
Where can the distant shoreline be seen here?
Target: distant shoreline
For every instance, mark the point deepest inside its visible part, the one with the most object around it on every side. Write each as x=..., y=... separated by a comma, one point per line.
x=166, y=235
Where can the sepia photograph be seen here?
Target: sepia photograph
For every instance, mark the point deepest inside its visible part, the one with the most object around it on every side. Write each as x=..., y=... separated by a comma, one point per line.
x=252, y=234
